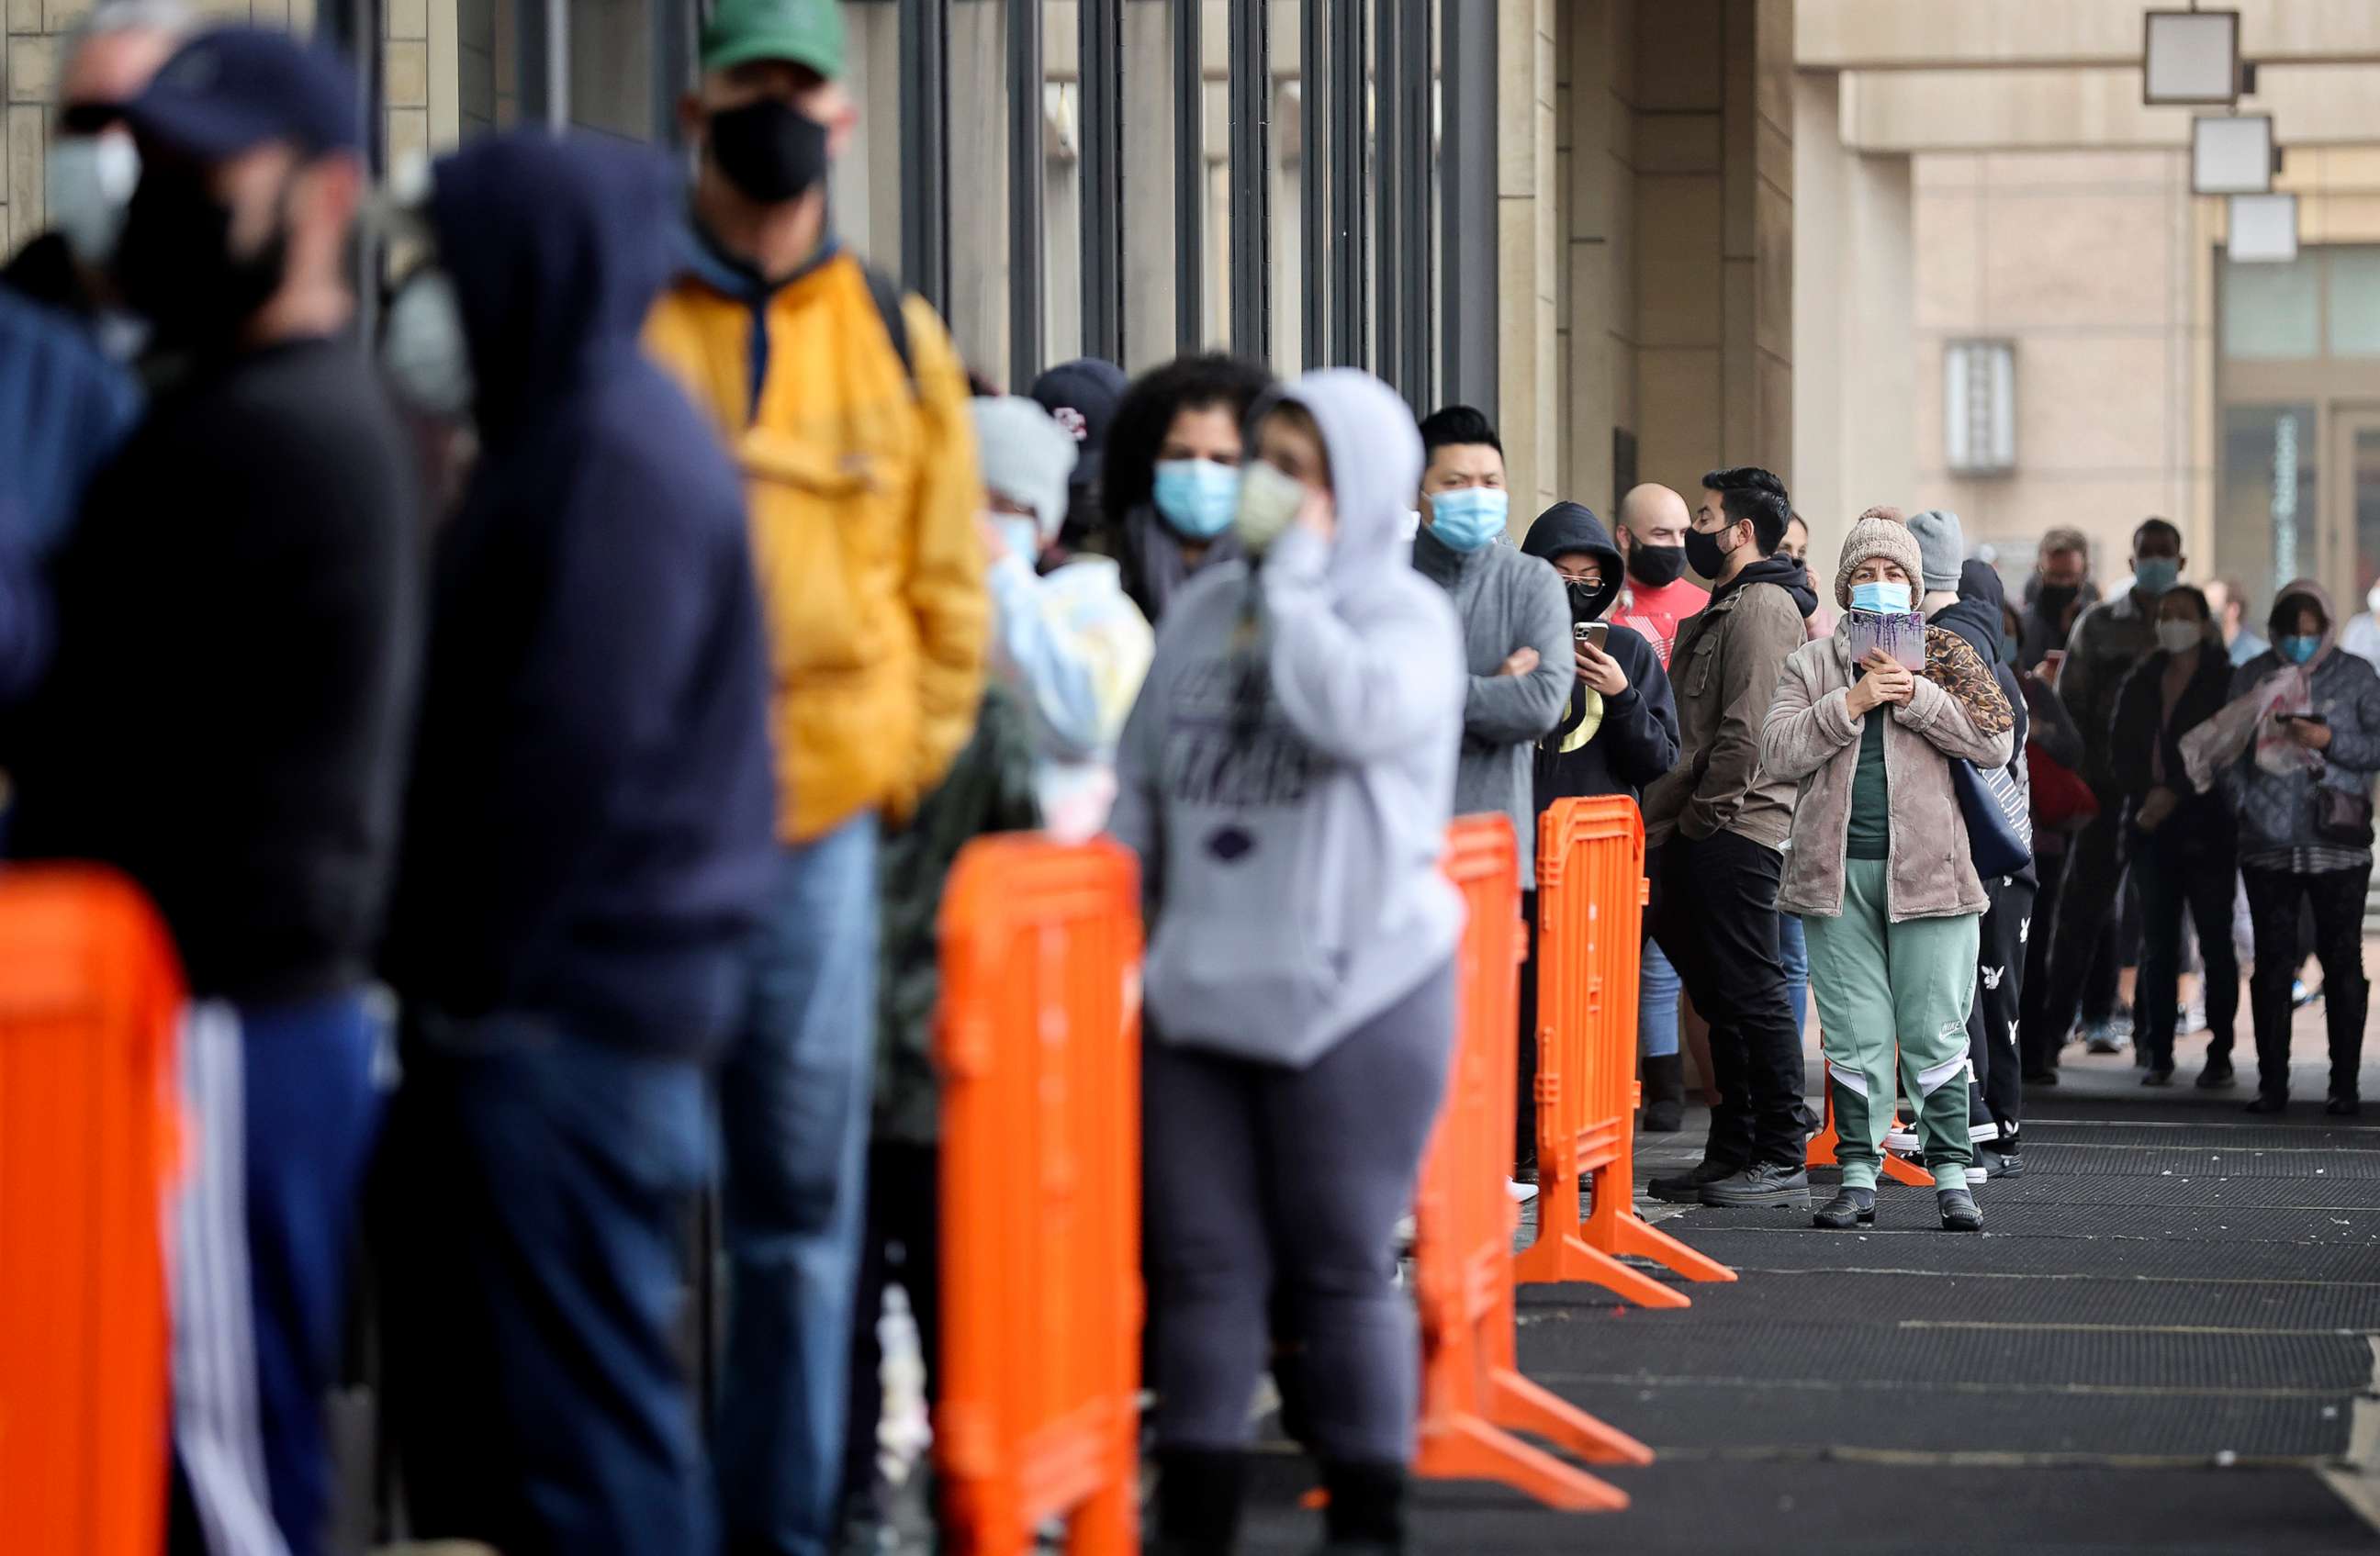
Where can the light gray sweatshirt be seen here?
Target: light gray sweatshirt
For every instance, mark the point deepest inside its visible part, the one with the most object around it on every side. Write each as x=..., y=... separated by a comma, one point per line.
x=1288, y=774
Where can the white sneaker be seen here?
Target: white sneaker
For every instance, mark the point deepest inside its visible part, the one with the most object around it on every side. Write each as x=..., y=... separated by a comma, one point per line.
x=1522, y=1193
x=1901, y=1142
x=2192, y=1019
x=1977, y=1177
x=2104, y=1038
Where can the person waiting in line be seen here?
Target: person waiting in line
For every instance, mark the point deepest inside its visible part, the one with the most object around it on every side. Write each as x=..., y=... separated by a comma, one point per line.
x=1172, y=480
x=2229, y=602
x=2361, y=636
x=1793, y=946
x=846, y=406
x=1617, y=734
x=589, y=839
x=2181, y=843
x=2108, y=640
x=2057, y=593
x=1797, y=546
x=1067, y=643
x=1720, y=821
x=2296, y=749
x=2061, y=805
x=1081, y=396
x=1881, y=872
x=1287, y=778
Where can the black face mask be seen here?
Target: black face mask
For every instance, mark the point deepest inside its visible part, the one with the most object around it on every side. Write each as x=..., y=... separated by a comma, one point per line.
x=770, y=151
x=2055, y=598
x=175, y=263
x=1704, y=551
x=1656, y=566
x=1588, y=600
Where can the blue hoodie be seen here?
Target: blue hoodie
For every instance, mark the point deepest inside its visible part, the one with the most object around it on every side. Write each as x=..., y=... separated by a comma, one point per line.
x=590, y=825
x=1288, y=774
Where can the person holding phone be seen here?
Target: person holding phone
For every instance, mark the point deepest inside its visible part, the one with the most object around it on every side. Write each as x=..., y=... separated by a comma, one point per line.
x=1617, y=734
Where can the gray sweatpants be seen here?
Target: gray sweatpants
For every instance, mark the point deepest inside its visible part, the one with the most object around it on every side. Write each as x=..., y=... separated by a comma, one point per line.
x=1264, y=1181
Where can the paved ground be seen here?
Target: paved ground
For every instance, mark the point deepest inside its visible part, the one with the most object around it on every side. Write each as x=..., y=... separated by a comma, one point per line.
x=2165, y=1340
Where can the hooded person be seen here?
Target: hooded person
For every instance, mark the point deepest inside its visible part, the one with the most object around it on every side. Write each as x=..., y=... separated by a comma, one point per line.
x=1068, y=643
x=2295, y=751
x=1287, y=778
x=1618, y=733
x=588, y=843
x=1082, y=396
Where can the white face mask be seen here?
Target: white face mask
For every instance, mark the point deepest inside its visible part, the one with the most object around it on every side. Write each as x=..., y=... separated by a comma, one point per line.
x=2179, y=637
x=426, y=352
x=1270, y=503
x=1021, y=535
x=87, y=182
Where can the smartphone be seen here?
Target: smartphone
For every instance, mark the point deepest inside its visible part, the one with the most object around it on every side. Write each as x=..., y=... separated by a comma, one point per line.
x=1594, y=633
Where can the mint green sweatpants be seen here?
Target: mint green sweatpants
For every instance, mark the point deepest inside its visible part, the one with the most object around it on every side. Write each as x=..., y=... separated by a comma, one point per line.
x=1883, y=986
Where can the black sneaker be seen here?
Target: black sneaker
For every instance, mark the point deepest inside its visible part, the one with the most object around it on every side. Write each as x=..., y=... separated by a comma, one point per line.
x=2002, y=1163
x=1849, y=1207
x=1958, y=1212
x=2270, y=1102
x=2046, y=1076
x=1686, y=1188
x=2158, y=1074
x=2217, y=1075
x=1763, y=1184
x=2347, y=1106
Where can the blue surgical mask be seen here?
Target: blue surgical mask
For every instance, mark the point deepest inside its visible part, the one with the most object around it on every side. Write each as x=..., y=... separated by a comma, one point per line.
x=1883, y=595
x=1197, y=497
x=2010, y=647
x=2155, y=575
x=2299, y=650
x=1469, y=517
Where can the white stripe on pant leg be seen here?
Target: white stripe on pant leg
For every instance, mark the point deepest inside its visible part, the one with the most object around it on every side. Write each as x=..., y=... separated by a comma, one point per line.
x=217, y=1428
x=1849, y=1077
x=1931, y=1080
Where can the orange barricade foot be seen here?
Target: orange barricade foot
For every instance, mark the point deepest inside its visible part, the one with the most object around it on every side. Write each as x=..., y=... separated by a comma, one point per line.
x=1899, y=1169
x=1470, y=1449
x=1632, y=1234
x=1516, y=1403
x=1563, y=1258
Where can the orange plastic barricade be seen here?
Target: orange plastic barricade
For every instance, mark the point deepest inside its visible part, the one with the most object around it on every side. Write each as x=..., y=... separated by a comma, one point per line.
x=1039, y=1047
x=1463, y=1223
x=90, y=995
x=1590, y=933
x=1898, y=1168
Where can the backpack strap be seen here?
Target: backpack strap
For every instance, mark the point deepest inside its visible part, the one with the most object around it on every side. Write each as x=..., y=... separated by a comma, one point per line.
x=886, y=292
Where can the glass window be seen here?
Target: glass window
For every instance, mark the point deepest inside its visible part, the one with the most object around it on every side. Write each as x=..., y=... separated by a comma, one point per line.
x=1062, y=188
x=2354, y=302
x=866, y=183
x=487, y=65
x=978, y=172
x=1286, y=189
x=1149, y=223
x=2270, y=311
x=2266, y=531
x=611, y=67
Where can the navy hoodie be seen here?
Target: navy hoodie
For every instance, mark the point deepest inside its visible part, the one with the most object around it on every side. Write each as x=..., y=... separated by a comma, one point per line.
x=590, y=825
x=1636, y=741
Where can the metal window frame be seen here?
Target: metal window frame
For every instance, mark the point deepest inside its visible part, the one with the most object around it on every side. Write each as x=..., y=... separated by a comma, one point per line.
x=1251, y=98
x=1415, y=371
x=544, y=62
x=1189, y=179
x=1351, y=217
x=1316, y=138
x=925, y=153
x=1390, y=173
x=674, y=47
x=1101, y=55
x=1466, y=216
x=1027, y=264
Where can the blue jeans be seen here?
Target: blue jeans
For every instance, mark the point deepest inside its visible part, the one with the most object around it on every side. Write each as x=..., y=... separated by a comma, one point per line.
x=534, y=1201
x=1794, y=946
x=794, y=1114
x=1656, y=1004
x=287, y=1108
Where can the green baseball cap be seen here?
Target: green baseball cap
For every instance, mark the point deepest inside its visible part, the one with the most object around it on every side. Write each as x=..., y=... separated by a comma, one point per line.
x=808, y=32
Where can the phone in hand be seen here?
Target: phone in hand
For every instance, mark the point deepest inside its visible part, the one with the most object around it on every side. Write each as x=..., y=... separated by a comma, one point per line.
x=1595, y=633
x=2300, y=718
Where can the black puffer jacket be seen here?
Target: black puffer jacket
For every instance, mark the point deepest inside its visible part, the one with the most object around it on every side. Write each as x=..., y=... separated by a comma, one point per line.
x=1603, y=745
x=2139, y=730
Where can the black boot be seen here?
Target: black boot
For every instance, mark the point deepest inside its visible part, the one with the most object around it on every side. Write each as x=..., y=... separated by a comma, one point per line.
x=1366, y=1516
x=1665, y=1095
x=1199, y=1492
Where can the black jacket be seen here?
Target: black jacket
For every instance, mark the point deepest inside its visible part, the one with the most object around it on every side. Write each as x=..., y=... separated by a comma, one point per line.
x=2138, y=729
x=1975, y=615
x=1636, y=737
x=590, y=825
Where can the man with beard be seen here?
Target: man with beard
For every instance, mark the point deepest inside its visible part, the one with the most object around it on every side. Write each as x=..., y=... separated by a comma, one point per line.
x=2058, y=591
x=1660, y=593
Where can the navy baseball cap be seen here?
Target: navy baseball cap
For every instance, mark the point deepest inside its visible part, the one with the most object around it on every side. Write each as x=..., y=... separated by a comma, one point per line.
x=1082, y=395
x=234, y=89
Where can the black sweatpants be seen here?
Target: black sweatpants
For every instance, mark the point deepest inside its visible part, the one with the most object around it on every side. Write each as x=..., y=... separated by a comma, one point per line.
x=2178, y=879
x=1996, y=1019
x=1717, y=920
x=2337, y=898
x=2087, y=899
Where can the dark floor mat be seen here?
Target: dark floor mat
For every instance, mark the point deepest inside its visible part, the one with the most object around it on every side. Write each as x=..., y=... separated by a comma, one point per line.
x=1790, y=1246
x=2242, y=1136
x=1761, y=1508
x=2344, y=1195
x=2153, y=1161
x=1911, y=1211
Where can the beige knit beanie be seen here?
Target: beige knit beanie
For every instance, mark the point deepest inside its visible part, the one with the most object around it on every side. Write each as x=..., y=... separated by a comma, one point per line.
x=1878, y=538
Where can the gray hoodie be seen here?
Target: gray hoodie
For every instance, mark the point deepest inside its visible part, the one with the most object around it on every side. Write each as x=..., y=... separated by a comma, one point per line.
x=1288, y=773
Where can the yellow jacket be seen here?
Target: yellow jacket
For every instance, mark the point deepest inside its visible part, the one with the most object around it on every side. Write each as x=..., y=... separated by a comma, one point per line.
x=863, y=499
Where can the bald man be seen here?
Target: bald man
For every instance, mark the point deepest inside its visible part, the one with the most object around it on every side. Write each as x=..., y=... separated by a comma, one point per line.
x=1660, y=593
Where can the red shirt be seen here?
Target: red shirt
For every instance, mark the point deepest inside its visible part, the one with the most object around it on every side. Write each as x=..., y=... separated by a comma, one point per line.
x=1655, y=613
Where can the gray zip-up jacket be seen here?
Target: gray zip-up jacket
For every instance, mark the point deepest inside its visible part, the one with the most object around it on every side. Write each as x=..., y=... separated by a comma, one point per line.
x=1506, y=601
x=1288, y=774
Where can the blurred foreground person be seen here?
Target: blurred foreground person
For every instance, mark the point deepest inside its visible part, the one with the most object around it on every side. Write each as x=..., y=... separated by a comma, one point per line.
x=588, y=843
x=225, y=723
x=846, y=406
x=1880, y=869
x=1068, y=643
x=1172, y=481
x=1286, y=780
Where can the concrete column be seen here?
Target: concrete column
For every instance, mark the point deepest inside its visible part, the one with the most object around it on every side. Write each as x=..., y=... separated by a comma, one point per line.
x=1854, y=389
x=1528, y=224
x=1599, y=185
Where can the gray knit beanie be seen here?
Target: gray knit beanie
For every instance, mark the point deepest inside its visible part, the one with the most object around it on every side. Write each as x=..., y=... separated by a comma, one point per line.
x=1943, y=544
x=1026, y=456
x=1876, y=537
